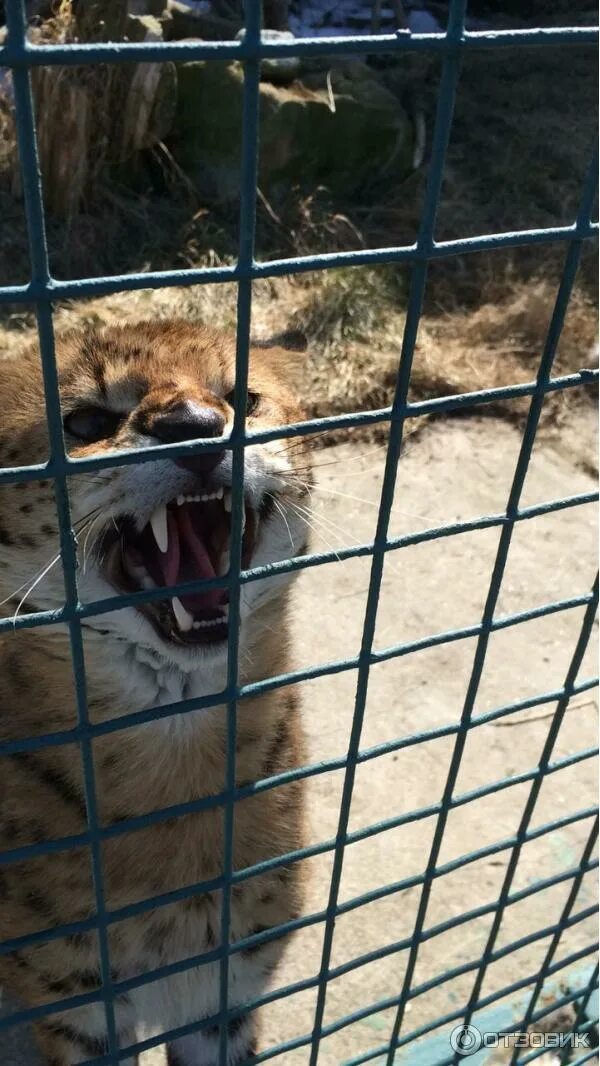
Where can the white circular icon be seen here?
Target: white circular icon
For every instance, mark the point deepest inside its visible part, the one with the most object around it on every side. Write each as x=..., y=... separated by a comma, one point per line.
x=465, y=1039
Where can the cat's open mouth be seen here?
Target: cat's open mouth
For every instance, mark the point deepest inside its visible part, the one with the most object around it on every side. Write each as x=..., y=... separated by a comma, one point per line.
x=186, y=539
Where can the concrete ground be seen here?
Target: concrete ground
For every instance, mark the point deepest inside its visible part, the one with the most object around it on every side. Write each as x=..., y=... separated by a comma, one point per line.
x=456, y=470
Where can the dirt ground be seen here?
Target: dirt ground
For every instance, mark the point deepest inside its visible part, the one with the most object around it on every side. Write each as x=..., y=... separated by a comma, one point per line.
x=455, y=470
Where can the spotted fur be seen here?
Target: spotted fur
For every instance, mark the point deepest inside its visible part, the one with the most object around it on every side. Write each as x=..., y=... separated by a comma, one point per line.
x=138, y=371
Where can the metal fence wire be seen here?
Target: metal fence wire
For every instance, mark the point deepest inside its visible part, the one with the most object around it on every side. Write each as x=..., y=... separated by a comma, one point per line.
x=42, y=290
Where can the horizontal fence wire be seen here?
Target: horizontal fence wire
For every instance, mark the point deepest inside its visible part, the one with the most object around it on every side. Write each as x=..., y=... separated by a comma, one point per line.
x=20, y=52
x=62, y=844
x=167, y=710
x=581, y=1011
x=554, y=943
x=484, y=1003
x=441, y=405
x=104, y=286
x=43, y=290
x=580, y=1024
x=304, y=985
x=530, y=808
x=125, y=986
x=375, y=1009
x=105, y=606
x=189, y=891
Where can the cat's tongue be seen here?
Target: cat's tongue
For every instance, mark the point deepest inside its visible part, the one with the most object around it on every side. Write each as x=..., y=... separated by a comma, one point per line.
x=197, y=535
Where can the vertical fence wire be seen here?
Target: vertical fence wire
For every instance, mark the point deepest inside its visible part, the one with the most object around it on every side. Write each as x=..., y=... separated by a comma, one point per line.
x=40, y=274
x=535, y=408
x=560, y=308
x=247, y=222
x=447, y=93
x=515, y=1059
x=581, y=1010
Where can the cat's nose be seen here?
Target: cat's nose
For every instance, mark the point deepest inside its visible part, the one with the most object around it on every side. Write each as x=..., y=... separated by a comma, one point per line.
x=190, y=421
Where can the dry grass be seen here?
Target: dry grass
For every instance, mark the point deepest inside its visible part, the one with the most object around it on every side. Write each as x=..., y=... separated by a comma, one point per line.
x=355, y=338
x=495, y=345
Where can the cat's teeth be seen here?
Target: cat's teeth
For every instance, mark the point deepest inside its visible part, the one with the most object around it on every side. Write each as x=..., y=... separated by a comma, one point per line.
x=159, y=527
x=200, y=497
x=227, y=507
x=207, y=623
x=184, y=619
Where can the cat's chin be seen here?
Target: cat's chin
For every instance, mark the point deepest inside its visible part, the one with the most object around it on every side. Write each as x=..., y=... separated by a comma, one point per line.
x=135, y=631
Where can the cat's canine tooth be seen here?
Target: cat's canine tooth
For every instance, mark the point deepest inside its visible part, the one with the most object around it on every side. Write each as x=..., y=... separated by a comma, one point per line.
x=184, y=619
x=158, y=522
x=219, y=493
x=227, y=507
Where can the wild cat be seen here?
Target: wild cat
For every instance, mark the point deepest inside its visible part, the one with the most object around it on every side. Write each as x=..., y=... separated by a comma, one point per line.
x=139, y=526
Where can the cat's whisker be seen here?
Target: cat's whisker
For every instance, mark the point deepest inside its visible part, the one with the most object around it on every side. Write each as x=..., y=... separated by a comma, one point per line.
x=378, y=450
x=371, y=503
x=87, y=537
x=33, y=585
x=40, y=573
x=315, y=530
x=321, y=520
x=29, y=584
x=342, y=459
x=282, y=513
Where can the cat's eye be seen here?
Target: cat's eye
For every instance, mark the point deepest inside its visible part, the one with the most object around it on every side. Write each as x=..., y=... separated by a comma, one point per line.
x=252, y=402
x=91, y=424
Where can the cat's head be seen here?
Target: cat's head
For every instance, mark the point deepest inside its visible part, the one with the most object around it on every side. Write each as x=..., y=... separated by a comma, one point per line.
x=166, y=520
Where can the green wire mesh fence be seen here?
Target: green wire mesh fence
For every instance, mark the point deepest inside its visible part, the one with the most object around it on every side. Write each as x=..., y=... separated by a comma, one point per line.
x=20, y=55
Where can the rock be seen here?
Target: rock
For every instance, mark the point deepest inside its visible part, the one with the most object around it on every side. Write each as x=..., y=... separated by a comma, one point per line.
x=148, y=109
x=187, y=22
x=345, y=139
x=423, y=22
x=147, y=7
x=280, y=70
x=149, y=104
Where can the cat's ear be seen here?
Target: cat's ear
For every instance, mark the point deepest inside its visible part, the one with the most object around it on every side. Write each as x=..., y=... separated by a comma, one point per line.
x=291, y=340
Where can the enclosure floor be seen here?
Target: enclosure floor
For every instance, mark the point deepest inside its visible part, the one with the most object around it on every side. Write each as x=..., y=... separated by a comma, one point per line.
x=456, y=470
